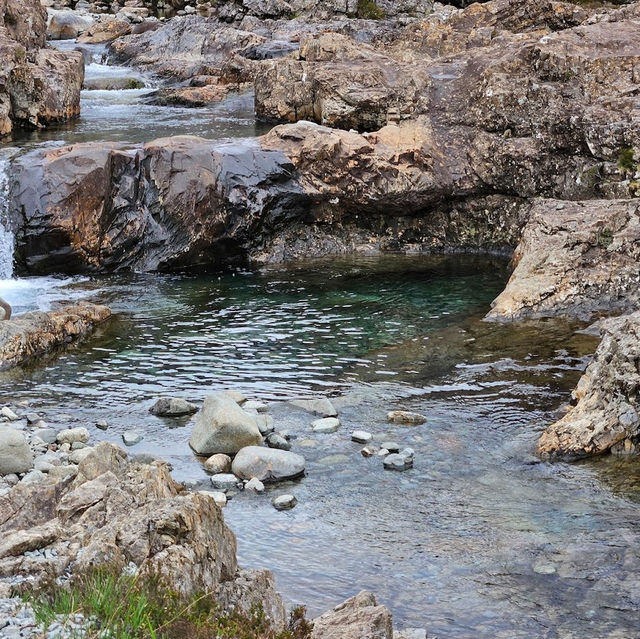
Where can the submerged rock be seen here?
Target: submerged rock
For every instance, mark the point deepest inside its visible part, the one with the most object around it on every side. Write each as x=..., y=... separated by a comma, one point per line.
x=405, y=417
x=172, y=407
x=267, y=464
x=606, y=415
x=322, y=406
x=284, y=502
x=222, y=426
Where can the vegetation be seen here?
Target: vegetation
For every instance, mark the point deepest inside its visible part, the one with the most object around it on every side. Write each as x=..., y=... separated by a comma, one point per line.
x=121, y=606
x=626, y=161
x=369, y=10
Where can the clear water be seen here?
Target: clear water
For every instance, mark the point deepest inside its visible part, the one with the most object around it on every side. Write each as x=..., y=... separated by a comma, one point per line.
x=479, y=539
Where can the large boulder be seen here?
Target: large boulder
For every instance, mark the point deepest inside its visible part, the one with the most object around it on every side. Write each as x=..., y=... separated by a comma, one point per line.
x=32, y=334
x=267, y=464
x=357, y=618
x=67, y=25
x=222, y=426
x=606, y=412
x=15, y=454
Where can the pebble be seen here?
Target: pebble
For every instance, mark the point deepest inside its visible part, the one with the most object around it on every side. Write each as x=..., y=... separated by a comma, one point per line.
x=131, y=437
x=406, y=417
x=265, y=424
x=32, y=418
x=33, y=477
x=326, y=425
x=275, y=440
x=368, y=451
x=255, y=485
x=224, y=481
x=284, y=502
x=71, y=435
x=383, y=452
x=397, y=462
x=361, y=436
x=392, y=447
x=9, y=414
x=102, y=424
x=218, y=464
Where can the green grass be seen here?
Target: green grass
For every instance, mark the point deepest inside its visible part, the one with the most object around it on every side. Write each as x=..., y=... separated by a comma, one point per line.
x=131, y=607
x=369, y=10
x=626, y=161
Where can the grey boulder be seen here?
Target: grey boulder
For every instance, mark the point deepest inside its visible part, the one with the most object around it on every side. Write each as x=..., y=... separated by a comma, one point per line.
x=15, y=454
x=172, y=407
x=222, y=426
x=267, y=464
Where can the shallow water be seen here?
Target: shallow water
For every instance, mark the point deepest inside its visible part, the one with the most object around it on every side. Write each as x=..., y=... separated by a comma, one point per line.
x=479, y=539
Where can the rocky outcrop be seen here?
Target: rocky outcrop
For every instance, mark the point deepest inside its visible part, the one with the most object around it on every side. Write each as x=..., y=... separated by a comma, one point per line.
x=38, y=86
x=606, y=413
x=575, y=258
x=32, y=334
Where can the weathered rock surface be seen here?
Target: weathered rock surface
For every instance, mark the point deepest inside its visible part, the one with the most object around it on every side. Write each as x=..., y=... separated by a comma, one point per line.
x=15, y=454
x=267, y=464
x=172, y=407
x=32, y=334
x=116, y=512
x=66, y=25
x=38, y=86
x=606, y=414
x=357, y=618
x=222, y=426
x=575, y=258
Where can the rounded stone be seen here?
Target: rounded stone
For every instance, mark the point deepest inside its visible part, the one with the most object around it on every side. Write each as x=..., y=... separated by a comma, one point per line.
x=406, y=417
x=326, y=425
x=267, y=464
x=15, y=454
x=172, y=407
x=284, y=502
x=219, y=463
x=361, y=436
x=224, y=481
x=131, y=437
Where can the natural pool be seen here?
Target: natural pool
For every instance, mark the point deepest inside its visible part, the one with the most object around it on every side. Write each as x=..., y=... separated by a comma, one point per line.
x=478, y=540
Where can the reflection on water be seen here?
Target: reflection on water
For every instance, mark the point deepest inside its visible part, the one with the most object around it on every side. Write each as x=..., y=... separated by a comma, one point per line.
x=479, y=539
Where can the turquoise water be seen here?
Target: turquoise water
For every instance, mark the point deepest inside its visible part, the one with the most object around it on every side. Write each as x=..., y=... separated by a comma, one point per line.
x=480, y=539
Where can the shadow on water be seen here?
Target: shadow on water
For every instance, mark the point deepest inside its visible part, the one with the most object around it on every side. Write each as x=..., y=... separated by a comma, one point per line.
x=479, y=539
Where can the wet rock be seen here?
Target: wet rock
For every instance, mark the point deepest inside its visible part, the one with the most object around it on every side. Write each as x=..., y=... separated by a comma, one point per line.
x=131, y=437
x=322, y=406
x=32, y=334
x=102, y=424
x=172, y=407
x=284, y=502
x=392, y=447
x=73, y=435
x=192, y=97
x=368, y=451
x=106, y=30
x=9, y=414
x=15, y=454
x=405, y=417
x=398, y=461
x=267, y=464
x=113, y=84
x=218, y=463
x=224, y=481
x=67, y=25
x=383, y=452
x=222, y=426
x=32, y=418
x=265, y=424
x=606, y=413
x=357, y=618
x=219, y=497
x=253, y=405
x=361, y=436
x=237, y=396
x=275, y=440
x=326, y=425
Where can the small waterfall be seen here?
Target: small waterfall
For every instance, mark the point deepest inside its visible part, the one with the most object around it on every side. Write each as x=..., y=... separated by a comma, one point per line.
x=6, y=236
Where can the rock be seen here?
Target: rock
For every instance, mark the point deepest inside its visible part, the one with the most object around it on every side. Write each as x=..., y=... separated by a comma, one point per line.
x=368, y=451
x=267, y=464
x=105, y=31
x=237, y=396
x=32, y=334
x=218, y=463
x=47, y=435
x=32, y=418
x=78, y=456
x=63, y=471
x=192, y=97
x=254, y=485
x=322, y=406
x=357, y=618
x=405, y=417
x=5, y=310
x=274, y=440
x=392, y=447
x=15, y=454
x=265, y=424
x=224, y=481
x=172, y=407
x=219, y=497
x=102, y=424
x=72, y=435
x=326, y=425
x=9, y=414
x=259, y=407
x=131, y=437
x=410, y=633
x=383, y=452
x=395, y=461
x=222, y=426
x=361, y=436
x=113, y=84
x=606, y=414
x=34, y=476
x=284, y=502
x=67, y=25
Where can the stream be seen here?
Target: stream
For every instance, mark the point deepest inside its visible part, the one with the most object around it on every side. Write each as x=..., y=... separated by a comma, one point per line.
x=480, y=539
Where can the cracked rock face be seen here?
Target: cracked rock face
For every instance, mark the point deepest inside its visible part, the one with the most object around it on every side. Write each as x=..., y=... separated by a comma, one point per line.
x=577, y=259
x=606, y=415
